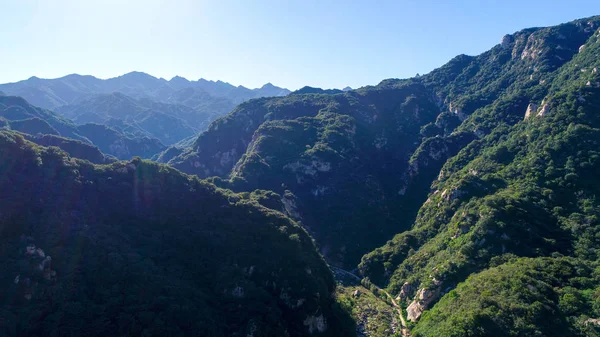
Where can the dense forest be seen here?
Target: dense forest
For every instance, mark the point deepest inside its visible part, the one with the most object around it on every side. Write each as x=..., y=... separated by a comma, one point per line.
x=136, y=248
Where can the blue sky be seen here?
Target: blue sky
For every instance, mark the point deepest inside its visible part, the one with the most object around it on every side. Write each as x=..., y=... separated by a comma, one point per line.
x=289, y=43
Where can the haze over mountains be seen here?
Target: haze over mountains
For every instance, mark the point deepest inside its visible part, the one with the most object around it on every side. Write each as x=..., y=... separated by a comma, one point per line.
x=463, y=202
x=138, y=104
x=74, y=88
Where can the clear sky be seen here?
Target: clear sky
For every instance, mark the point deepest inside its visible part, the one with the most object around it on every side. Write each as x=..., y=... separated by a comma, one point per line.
x=324, y=43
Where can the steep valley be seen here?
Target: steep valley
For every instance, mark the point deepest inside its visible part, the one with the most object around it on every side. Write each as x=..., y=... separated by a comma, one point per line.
x=463, y=202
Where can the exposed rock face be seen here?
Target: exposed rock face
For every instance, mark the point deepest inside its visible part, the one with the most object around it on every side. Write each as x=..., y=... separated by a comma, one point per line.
x=532, y=49
x=227, y=158
x=238, y=292
x=251, y=329
x=458, y=112
x=380, y=142
x=290, y=205
x=286, y=298
x=507, y=40
x=309, y=169
x=429, y=158
x=452, y=195
x=421, y=302
x=315, y=324
x=39, y=264
x=592, y=321
x=531, y=108
x=544, y=110
x=406, y=290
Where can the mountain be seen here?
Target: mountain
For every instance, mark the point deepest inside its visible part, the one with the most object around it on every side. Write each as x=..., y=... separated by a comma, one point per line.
x=207, y=107
x=113, y=142
x=40, y=132
x=173, y=110
x=462, y=202
x=17, y=109
x=269, y=90
x=159, y=120
x=136, y=248
x=311, y=90
x=482, y=168
x=19, y=115
x=73, y=148
x=307, y=140
x=70, y=89
x=53, y=93
x=33, y=126
x=100, y=107
x=525, y=189
x=303, y=143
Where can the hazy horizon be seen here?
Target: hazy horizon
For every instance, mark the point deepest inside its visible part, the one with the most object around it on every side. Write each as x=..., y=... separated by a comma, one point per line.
x=137, y=71
x=291, y=44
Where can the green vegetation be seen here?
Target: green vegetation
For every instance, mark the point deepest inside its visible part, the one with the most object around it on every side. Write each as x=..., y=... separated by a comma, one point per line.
x=390, y=141
x=137, y=248
x=113, y=142
x=27, y=118
x=169, y=123
x=73, y=147
x=302, y=142
x=33, y=126
x=524, y=297
x=372, y=316
x=137, y=104
x=36, y=122
x=528, y=188
x=485, y=170
x=503, y=183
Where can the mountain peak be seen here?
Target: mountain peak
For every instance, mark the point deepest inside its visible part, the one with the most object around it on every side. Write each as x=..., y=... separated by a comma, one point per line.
x=223, y=83
x=312, y=90
x=74, y=75
x=179, y=82
x=137, y=75
x=179, y=78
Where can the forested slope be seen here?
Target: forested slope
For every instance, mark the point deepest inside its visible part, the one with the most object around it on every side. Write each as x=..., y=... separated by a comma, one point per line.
x=136, y=248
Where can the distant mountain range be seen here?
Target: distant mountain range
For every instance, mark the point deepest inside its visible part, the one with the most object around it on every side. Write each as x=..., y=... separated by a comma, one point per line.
x=137, y=103
x=46, y=128
x=72, y=89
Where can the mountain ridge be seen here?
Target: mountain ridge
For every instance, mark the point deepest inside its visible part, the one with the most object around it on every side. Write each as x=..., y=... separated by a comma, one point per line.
x=178, y=108
x=22, y=116
x=94, y=262
x=465, y=199
x=126, y=83
x=457, y=177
